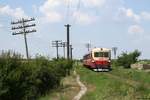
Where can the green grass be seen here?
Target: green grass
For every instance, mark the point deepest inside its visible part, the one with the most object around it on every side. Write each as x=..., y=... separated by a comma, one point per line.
x=118, y=84
x=103, y=87
x=132, y=74
x=54, y=95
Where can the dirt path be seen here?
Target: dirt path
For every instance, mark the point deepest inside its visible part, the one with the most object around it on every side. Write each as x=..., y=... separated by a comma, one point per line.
x=82, y=86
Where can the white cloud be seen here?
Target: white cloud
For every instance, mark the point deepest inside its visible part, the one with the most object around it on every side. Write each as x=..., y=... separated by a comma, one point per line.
x=48, y=9
x=52, y=10
x=52, y=17
x=145, y=15
x=84, y=18
x=135, y=29
x=93, y=3
x=131, y=14
x=137, y=34
x=128, y=13
x=121, y=14
x=16, y=13
x=50, y=5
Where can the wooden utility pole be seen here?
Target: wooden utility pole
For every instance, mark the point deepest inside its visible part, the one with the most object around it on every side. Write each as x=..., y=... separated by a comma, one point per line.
x=71, y=52
x=88, y=46
x=57, y=44
x=64, y=45
x=114, y=49
x=23, y=29
x=68, y=40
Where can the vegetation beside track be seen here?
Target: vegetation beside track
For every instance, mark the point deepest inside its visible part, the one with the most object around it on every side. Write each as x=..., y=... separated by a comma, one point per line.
x=27, y=80
x=132, y=74
x=114, y=85
x=68, y=89
x=44, y=78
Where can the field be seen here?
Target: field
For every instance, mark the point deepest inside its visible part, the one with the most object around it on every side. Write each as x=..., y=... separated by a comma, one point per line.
x=119, y=84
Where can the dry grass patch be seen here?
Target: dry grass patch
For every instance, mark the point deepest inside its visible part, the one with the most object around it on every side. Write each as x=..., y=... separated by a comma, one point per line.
x=67, y=91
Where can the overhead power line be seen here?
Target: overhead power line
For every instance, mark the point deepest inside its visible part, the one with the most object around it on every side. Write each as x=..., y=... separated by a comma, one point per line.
x=57, y=44
x=77, y=10
x=68, y=11
x=64, y=45
x=22, y=25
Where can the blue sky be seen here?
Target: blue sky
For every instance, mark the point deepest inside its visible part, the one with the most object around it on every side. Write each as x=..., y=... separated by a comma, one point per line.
x=103, y=23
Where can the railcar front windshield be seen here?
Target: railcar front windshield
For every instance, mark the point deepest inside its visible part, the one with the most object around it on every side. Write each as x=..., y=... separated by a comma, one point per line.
x=101, y=54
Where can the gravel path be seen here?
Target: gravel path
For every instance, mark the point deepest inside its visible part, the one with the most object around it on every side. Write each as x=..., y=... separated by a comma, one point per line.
x=82, y=86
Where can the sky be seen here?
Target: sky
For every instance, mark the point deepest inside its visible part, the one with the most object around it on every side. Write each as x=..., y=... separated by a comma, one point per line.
x=102, y=23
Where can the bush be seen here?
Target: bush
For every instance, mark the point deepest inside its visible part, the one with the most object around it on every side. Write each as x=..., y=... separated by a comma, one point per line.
x=26, y=80
x=126, y=59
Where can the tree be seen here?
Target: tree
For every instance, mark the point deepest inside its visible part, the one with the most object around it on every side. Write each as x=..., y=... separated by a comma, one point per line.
x=126, y=59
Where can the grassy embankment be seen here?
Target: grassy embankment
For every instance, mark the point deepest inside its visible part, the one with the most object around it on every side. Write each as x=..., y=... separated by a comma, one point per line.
x=67, y=91
x=119, y=84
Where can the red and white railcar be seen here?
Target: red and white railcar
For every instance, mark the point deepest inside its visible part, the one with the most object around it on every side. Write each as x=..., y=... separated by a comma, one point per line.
x=99, y=59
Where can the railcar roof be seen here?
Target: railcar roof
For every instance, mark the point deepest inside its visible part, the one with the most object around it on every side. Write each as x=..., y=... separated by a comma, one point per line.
x=100, y=49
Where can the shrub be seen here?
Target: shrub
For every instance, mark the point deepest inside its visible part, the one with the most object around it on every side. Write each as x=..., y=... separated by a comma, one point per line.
x=126, y=59
x=10, y=76
x=26, y=80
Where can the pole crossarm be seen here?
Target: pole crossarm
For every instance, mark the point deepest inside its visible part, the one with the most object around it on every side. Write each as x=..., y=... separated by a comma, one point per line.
x=57, y=44
x=23, y=20
x=64, y=44
x=22, y=32
x=22, y=26
x=28, y=31
x=15, y=33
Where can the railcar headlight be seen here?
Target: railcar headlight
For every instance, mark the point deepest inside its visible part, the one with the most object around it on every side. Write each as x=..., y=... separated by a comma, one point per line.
x=93, y=61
